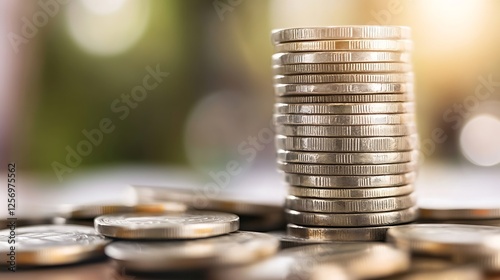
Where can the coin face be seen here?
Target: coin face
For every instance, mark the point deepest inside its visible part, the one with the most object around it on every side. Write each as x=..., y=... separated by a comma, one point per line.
x=52, y=244
x=187, y=225
x=441, y=239
x=340, y=32
x=353, y=219
x=237, y=248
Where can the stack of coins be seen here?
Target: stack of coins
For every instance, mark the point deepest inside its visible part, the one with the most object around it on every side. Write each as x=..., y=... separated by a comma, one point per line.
x=346, y=134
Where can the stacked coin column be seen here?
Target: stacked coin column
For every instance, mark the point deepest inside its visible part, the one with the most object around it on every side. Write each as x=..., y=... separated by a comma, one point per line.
x=345, y=129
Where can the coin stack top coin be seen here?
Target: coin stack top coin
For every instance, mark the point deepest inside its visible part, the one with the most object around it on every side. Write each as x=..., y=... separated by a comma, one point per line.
x=346, y=137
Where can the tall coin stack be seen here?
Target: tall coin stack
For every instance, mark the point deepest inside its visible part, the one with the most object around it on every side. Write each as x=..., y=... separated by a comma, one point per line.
x=346, y=137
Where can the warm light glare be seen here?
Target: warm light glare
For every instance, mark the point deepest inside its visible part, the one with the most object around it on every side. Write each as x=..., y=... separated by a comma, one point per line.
x=107, y=27
x=479, y=140
x=103, y=7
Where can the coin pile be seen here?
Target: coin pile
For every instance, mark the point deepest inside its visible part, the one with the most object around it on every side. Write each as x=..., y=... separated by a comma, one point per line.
x=346, y=137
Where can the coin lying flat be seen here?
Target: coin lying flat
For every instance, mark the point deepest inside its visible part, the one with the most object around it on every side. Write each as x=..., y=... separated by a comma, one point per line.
x=345, y=45
x=344, y=78
x=460, y=208
x=193, y=199
x=92, y=211
x=439, y=269
x=361, y=260
x=366, y=144
x=338, y=234
x=346, y=158
x=347, y=130
x=52, y=245
x=344, y=108
x=441, y=239
x=186, y=225
x=360, y=67
x=340, y=88
x=237, y=248
x=339, y=57
x=350, y=193
x=336, y=182
x=366, y=205
x=339, y=33
x=351, y=220
x=347, y=98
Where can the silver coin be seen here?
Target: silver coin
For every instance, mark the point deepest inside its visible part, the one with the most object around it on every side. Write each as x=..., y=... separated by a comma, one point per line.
x=187, y=225
x=288, y=241
x=339, y=57
x=337, y=182
x=340, y=32
x=51, y=245
x=360, y=260
x=345, y=45
x=378, y=119
x=239, y=248
x=354, y=169
x=441, y=239
x=344, y=78
x=353, y=219
x=367, y=144
x=324, y=68
x=344, y=108
x=352, y=98
x=439, y=269
x=341, y=88
x=196, y=199
x=346, y=158
x=350, y=193
x=365, y=205
x=91, y=211
x=338, y=234
x=347, y=130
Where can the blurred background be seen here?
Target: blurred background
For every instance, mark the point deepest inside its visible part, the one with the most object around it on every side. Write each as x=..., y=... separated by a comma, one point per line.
x=70, y=69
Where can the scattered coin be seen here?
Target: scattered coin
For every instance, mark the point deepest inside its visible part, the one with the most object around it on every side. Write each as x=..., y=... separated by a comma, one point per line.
x=345, y=45
x=186, y=225
x=350, y=193
x=91, y=211
x=239, y=248
x=441, y=239
x=346, y=158
x=46, y=245
x=338, y=234
x=344, y=108
x=367, y=181
x=340, y=33
x=366, y=205
x=352, y=220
